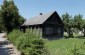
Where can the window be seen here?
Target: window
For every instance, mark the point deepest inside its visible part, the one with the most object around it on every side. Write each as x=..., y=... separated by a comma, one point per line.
x=49, y=30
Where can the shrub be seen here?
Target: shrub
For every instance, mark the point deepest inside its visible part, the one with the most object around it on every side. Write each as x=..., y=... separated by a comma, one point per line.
x=28, y=43
x=12, y=36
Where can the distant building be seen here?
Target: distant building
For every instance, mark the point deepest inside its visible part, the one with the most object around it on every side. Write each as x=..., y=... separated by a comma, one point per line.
x=48, y=25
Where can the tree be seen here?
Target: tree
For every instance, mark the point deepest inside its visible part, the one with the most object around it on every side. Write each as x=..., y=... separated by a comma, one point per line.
x=83, y=27
x=66, y=18
x=78, y=21
x=1, y=23
x=67, y=23
x=10, y=15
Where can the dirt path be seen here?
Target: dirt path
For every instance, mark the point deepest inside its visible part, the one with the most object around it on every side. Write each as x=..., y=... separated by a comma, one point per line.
x=6, y=48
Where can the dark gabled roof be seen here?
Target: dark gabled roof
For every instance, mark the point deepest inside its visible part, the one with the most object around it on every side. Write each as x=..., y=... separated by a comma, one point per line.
x=38, y=19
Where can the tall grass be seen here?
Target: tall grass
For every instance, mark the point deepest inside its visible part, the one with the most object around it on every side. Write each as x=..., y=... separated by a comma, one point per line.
x=66, y=46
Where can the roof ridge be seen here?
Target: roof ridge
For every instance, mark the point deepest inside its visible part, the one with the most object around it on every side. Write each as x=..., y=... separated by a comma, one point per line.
x=38, y=19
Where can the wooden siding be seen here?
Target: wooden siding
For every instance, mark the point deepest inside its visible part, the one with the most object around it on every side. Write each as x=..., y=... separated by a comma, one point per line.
x=51, y=28
x=36, y=29
x=53, y=32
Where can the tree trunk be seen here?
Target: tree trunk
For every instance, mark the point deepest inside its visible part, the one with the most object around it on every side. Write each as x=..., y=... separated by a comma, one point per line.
x=84, y=32
x=69, y=32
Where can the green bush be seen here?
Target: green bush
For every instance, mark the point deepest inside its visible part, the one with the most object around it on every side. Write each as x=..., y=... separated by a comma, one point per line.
x=28, y=43
x=12, y=36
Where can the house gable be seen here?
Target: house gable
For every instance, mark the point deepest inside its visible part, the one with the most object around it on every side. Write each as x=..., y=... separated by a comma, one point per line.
x=54, y=19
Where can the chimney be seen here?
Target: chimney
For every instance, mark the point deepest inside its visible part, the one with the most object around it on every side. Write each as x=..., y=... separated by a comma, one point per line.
x=40, y=13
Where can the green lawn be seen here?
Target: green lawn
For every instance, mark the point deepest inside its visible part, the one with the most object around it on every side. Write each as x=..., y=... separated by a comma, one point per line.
x=57, y=46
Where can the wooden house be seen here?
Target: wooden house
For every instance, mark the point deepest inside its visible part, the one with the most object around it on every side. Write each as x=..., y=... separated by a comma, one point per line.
x=48, y=25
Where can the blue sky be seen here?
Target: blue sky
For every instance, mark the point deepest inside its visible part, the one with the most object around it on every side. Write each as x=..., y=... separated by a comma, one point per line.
x=30, y=8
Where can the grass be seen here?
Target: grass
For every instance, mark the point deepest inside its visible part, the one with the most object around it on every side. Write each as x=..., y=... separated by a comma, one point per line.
x=57, y=46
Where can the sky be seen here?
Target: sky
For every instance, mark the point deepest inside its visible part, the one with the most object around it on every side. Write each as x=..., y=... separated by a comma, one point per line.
x=31, y=8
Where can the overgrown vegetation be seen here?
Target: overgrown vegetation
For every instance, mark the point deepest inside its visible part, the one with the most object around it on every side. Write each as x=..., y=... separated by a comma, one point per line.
x=78, y=49
x=28, y=43
x=71, y=46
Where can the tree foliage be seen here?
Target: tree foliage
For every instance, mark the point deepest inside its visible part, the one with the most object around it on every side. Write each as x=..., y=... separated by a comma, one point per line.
x=1, y=23
x=10, y=15
x=78, y=21
x=68, y=21
x=75, y=22
x=66, y=18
